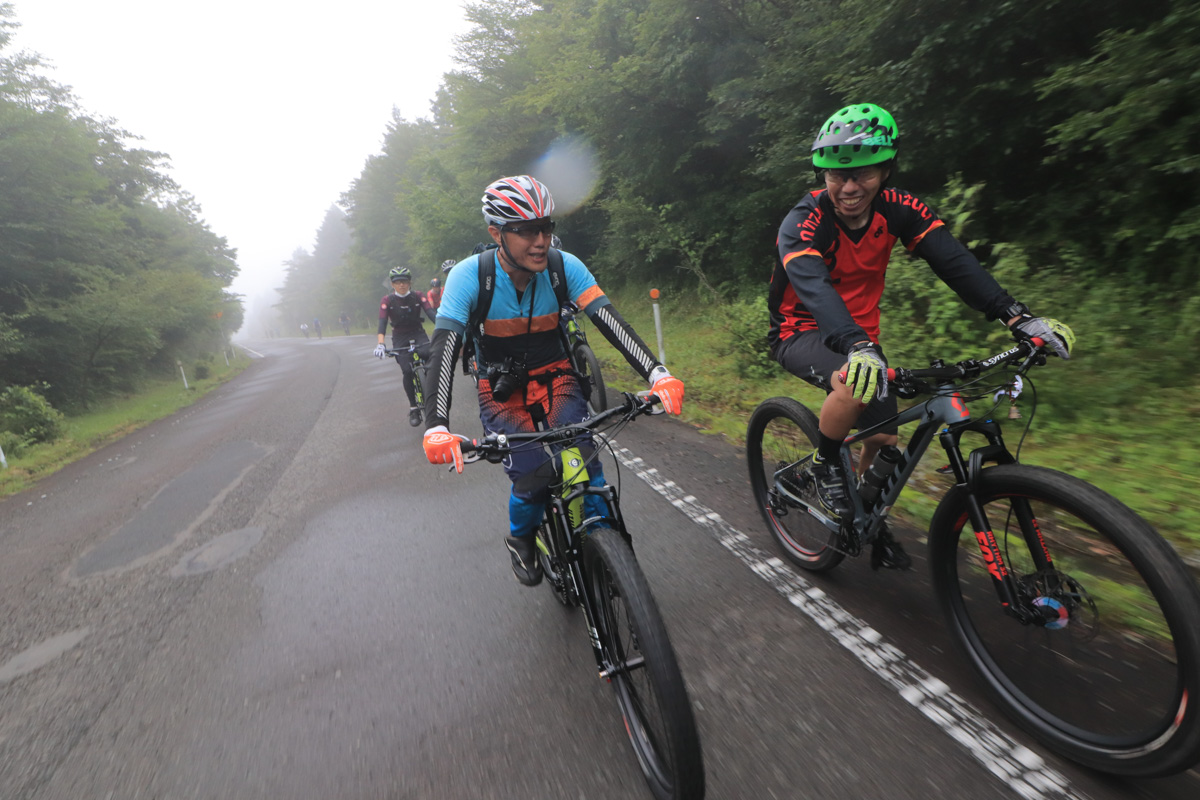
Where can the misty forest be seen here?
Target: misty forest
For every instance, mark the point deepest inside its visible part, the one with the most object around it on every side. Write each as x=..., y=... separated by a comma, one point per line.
x=1060, y=139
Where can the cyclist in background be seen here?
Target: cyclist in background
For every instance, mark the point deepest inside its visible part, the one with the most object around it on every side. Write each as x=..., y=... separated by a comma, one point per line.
x=434, y=295
x=344, y=319
x=833, y=250
x=317, y=327
x=403, y=308
x=304, y=329
x=527, y=377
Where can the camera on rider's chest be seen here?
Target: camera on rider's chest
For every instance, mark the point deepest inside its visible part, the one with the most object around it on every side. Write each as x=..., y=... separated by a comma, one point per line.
x=506, y=378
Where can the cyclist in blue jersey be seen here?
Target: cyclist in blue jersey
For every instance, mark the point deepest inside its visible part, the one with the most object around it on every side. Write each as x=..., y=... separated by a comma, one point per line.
x=525, y=373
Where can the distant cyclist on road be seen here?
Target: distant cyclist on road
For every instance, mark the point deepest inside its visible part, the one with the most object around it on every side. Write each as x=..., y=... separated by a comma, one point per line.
x=403, y=308
x=434, y=295
x=527, y=378
x=833, y=250
x=344, y=319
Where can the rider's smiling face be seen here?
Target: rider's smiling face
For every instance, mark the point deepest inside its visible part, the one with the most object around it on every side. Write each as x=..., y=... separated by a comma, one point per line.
x=527, y=242
x=852, y=191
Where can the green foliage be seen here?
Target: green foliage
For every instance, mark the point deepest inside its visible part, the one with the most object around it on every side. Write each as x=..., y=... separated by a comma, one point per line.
x=12, y=444
x=27, y=414
x=746, y=322
x=107, y=271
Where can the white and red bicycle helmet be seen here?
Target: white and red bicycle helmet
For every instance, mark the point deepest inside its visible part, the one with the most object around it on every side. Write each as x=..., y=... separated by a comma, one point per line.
x=516, y=199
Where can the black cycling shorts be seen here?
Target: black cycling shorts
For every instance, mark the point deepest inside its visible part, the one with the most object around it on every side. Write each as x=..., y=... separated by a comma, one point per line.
x=806, y=356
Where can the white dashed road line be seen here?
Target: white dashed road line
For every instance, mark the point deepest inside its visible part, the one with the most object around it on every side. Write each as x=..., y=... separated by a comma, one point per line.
x=1019, y=767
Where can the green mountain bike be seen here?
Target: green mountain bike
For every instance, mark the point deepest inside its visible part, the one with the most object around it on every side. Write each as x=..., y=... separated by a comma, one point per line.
x=589, y=563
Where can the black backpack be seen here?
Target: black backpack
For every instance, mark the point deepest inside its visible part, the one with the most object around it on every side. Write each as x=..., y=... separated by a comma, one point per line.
x=487, y=288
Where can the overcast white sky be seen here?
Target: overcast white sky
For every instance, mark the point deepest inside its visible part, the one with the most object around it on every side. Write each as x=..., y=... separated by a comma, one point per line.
x=267, y=108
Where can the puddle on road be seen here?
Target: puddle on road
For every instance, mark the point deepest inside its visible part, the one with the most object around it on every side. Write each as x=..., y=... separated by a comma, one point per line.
x=175, y=511
x=222, y=550
x=40, y=654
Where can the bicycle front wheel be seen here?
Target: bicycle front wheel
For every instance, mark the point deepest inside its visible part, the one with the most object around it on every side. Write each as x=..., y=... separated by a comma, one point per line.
x=589, y=366
x=643, y=670
x=1104, y=676
x=782, y=432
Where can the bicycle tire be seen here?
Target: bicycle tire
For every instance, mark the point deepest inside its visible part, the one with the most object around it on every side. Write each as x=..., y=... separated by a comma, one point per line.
x=587, y=364
x=782, y=431
x=652, y=696
x=1107, y=680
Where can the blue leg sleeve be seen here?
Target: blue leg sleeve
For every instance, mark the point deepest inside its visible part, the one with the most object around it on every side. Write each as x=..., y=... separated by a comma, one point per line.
x=523, y=515
x=593, y=505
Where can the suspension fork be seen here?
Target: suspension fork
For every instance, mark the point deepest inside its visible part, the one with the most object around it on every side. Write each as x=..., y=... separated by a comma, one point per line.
x=966, y=472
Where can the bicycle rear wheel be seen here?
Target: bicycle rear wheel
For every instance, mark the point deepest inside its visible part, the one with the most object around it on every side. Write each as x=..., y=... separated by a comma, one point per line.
x=644, y=672
x=782, y=432
x=1111, y=676
x=589, y=366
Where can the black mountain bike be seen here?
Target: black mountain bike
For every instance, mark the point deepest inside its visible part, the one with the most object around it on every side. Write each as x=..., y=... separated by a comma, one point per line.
x=596, y=571
x=419, y=369
x=1082, y=621
x=585, y=361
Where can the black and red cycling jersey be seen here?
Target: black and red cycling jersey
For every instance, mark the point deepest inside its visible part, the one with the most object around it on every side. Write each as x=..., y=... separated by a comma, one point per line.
x=830, y=279
x=405, y=315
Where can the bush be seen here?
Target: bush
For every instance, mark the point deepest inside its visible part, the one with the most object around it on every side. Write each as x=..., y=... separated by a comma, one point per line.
x=27, y=414
x=747, y=322
x=12, y=444
x=202, y=371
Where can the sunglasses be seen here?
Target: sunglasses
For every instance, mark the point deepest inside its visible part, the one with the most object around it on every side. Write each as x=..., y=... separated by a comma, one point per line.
x=531, y=232
x=860, y=176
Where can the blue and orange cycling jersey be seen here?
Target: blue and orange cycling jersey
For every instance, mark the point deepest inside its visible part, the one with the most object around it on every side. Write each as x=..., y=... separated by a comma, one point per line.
x=523, y=326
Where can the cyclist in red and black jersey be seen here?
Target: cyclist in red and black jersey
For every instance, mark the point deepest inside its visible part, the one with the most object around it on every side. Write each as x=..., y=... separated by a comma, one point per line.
x=833, y=251
x=403, y=308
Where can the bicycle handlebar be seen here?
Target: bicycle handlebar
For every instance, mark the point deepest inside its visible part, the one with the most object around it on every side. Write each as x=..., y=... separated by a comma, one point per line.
x=495, y=446
x=916, y=378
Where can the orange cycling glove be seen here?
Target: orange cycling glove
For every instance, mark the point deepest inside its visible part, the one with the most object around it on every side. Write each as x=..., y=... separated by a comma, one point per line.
x=668, y=390
x=443, y=447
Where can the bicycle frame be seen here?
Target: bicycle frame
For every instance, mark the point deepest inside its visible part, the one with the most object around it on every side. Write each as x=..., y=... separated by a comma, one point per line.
x=946, y=417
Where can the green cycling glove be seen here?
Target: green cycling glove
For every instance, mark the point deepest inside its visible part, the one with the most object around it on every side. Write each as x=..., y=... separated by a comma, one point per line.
x=867, y=373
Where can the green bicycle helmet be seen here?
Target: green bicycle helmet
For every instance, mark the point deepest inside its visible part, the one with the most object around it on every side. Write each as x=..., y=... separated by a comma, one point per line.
x=856, y=136
x=400, y=274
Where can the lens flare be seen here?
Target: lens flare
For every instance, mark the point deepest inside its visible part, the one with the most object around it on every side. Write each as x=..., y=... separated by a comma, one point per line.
x=571, y=170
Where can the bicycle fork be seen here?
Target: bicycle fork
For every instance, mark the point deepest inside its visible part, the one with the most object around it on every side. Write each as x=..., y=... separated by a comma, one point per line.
x=1012, y=599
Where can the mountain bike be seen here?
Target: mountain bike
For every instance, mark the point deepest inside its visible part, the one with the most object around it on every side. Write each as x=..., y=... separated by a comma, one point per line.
x=585, y=361
x=419, y=367
x=590, y=566
x=1082, y=621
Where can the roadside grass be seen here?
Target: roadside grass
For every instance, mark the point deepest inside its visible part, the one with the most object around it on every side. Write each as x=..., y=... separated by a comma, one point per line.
x=1146, y=455
x=106, y=423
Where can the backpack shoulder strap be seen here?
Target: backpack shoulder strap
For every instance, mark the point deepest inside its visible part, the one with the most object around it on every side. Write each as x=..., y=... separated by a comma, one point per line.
x=487, y=288
x=558, y=276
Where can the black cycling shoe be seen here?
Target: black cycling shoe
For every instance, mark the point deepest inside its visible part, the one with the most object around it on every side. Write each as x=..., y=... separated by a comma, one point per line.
x=525, y=562
x=829, y=480
x=414, y=417
x=886, y=552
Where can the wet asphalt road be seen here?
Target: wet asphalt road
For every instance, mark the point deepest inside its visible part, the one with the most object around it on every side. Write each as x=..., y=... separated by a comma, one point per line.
x=272, y=594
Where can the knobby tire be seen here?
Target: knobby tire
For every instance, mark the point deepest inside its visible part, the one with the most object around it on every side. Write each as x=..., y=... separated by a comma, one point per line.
x=782, y=431
x=653, y=697
x=587, y=363
x=1112, y=680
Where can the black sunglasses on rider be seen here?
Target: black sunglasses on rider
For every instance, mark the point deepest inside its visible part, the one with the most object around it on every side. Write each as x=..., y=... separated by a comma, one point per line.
x=531, y=231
